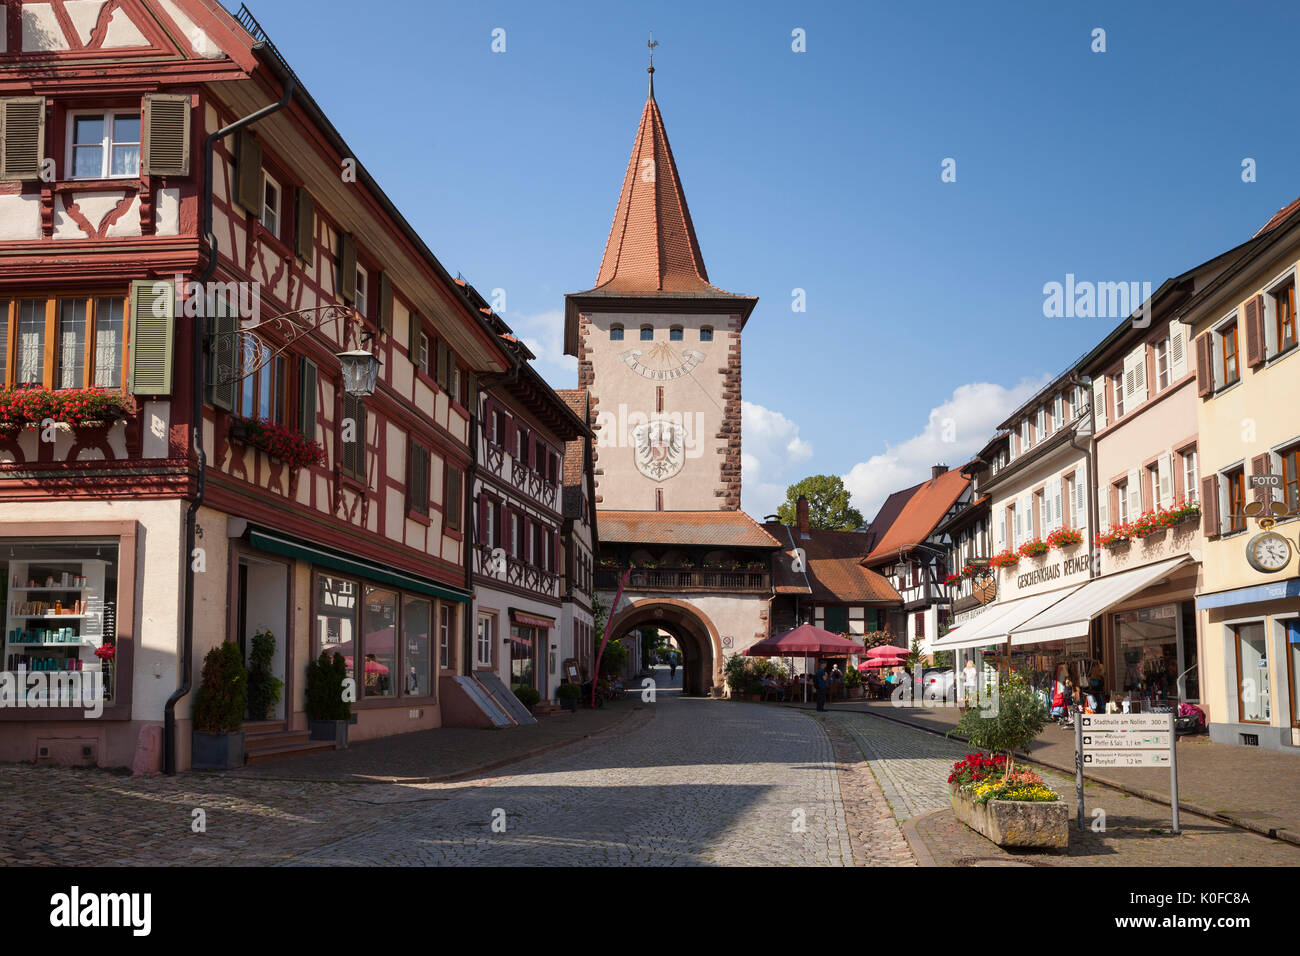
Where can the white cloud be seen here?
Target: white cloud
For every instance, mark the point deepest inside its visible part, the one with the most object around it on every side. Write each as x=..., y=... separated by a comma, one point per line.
x=544, y=335
x=771, y=446
x=956, y=430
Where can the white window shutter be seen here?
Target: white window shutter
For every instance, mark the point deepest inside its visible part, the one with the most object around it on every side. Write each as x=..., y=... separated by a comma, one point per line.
x=1166, y=466
x=1130, y=383
x=1002, y=530
x=1134, y=493
x=1080, y=499
x=1099, y=401
x=1177, y=351
x=1056, y=506
x=1103, y=509
x=1139, y=357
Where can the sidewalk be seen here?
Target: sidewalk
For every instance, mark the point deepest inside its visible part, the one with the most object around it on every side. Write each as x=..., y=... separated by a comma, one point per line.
x=1252, y=789
x=444, y=754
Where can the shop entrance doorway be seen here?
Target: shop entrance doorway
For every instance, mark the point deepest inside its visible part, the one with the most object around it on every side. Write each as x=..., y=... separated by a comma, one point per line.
x=261, y=608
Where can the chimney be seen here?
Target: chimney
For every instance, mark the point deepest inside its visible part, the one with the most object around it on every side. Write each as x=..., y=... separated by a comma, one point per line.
x=801, y=510
x=937, y=470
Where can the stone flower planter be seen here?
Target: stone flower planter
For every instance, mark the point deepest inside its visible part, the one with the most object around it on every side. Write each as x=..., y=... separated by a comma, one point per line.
x=1015, y=822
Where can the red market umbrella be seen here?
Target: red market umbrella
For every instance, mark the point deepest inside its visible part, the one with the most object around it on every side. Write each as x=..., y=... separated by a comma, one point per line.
x=879, y=662
x=886, y=650
x=804, y=640
x=374, y=667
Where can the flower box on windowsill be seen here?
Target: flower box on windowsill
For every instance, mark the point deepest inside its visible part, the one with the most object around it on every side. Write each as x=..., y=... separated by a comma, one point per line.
x=277, y=441
x=1119, y=544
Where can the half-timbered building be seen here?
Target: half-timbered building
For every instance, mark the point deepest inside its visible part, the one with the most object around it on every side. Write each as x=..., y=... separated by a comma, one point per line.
x=168, y=187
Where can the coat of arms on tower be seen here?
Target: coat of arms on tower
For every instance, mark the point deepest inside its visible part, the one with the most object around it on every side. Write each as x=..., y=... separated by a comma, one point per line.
x=659, y=447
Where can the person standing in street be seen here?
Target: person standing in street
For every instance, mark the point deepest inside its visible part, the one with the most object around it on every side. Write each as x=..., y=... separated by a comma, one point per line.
x=820, y=683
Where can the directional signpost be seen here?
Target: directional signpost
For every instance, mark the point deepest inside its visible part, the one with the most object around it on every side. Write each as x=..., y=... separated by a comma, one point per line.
x=1125, y=740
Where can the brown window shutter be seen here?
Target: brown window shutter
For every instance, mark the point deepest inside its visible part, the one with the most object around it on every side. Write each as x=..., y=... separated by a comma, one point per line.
x=22, y=137
x=166, y=128
x=1255, y=331
x=248, y=173
x=1261, y=465
x=347, y=268
x=1210, y=505
x=453, y=502
x=385, y=303
x=1204, y=366
x=304, y=228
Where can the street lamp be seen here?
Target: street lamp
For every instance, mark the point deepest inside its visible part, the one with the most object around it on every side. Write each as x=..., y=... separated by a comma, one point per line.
x=360, y=372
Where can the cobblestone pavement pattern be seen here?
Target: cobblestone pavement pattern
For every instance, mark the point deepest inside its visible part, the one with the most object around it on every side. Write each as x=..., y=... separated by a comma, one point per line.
x=705, y=783
x=912, y=767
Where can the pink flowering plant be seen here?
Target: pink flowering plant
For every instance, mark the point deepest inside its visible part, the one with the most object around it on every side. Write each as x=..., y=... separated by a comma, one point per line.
x=279, y=441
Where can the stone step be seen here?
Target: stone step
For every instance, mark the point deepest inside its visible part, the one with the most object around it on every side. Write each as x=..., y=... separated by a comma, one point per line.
x=293, y=749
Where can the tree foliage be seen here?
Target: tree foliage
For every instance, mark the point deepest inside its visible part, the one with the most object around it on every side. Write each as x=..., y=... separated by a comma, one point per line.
x=1009, y=722
x=828, y=504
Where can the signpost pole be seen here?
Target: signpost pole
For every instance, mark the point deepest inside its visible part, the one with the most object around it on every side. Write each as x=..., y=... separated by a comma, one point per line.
x=1078, y=766
x=1173, y=768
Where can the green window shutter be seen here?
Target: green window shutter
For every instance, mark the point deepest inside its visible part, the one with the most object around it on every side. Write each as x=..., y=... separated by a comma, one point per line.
x=354, y=452
x=22, y=137
x=307, y=397
x=248, y=168
x=452, y=504
x=304, y=228
x=223, y=357
x=413, y=338
x=473, y=395
x=385, y=303
x=443, y=377
x=165, y=150
x=153, y=306
x=347, y=268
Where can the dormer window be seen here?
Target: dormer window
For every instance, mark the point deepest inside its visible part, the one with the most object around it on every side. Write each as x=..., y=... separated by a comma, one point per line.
x=616, y=333
x=647, y=333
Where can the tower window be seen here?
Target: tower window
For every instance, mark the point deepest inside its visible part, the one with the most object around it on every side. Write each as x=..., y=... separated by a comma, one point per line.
x=647, y=333
x=675, y=333
x=706, y=333
x=616, y=333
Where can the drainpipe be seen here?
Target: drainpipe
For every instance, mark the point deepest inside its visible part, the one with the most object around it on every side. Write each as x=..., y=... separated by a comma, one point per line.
x=471, y=522
x=1091, y=452
x=197, y=375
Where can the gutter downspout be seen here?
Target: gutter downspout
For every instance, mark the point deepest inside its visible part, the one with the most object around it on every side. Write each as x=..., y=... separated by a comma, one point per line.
x=197, y=376
x=471, y=522
x=1091, y=452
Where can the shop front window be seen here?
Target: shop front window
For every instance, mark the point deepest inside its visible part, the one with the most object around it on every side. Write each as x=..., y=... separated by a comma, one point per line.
x=61, y=616
x=417, y=625
x=379, y=649
x=1149, y=658
x=1253, y=687
x=1293, y=662
x=1046, y=663
x=336, y=618
x=523, y=655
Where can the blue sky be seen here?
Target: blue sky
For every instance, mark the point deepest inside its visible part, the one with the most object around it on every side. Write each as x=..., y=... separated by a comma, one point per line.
x=820, y=171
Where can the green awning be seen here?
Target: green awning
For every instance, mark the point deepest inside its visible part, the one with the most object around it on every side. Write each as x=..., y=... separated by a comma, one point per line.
x=329, y=558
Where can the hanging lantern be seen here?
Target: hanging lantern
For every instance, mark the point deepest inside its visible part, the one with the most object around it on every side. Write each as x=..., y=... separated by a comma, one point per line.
x=360, y=372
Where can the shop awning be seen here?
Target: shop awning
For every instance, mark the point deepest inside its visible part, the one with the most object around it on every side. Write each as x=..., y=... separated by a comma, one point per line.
x=1275, y=591
x=325, y=557
x=993, y=626
x=531, y=620
x=1072, y=616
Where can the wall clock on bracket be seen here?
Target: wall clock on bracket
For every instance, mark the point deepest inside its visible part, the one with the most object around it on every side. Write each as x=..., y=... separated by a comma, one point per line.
x=1268, y=552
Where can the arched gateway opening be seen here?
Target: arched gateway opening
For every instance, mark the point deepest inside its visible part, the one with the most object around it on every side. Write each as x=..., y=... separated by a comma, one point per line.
x=695, y=634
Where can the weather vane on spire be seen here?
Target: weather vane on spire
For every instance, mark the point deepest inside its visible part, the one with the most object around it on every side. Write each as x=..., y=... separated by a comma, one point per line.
x=652, y=43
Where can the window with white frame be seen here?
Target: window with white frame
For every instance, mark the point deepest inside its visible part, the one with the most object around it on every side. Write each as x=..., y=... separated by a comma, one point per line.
x=1162, y=365
x=1121, y=496
x=1191, y=480
x=483, y=640
x=1119, y=394
x=271, y=196
x=1058, y=410
x=1226, y=358
x=363, y=289
x=424, y=353
x=1279, y=315
x=104, y=145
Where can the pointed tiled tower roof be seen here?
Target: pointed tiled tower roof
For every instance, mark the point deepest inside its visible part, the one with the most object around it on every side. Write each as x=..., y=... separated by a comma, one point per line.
x=652, y=252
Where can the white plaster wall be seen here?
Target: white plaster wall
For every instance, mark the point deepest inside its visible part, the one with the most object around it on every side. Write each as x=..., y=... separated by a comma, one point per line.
x=20, y=216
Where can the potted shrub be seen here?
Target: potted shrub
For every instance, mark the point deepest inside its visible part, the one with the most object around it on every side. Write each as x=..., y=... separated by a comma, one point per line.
x=853, y=682
x=219, y=706
x=1009, y=807
x=264, y=688
x=567, y=695
x=328, y=712
x=528, y=696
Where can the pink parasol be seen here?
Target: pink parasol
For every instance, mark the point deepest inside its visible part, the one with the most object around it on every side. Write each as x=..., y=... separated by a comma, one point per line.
x=886, y=650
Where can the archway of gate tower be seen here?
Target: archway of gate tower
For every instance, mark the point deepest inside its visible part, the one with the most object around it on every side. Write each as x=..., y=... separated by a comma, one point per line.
x=694, y=633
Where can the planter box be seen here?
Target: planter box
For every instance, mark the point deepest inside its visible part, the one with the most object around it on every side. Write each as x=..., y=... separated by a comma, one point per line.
x=1015, y=822
x=335, y=730
x=217, y=751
